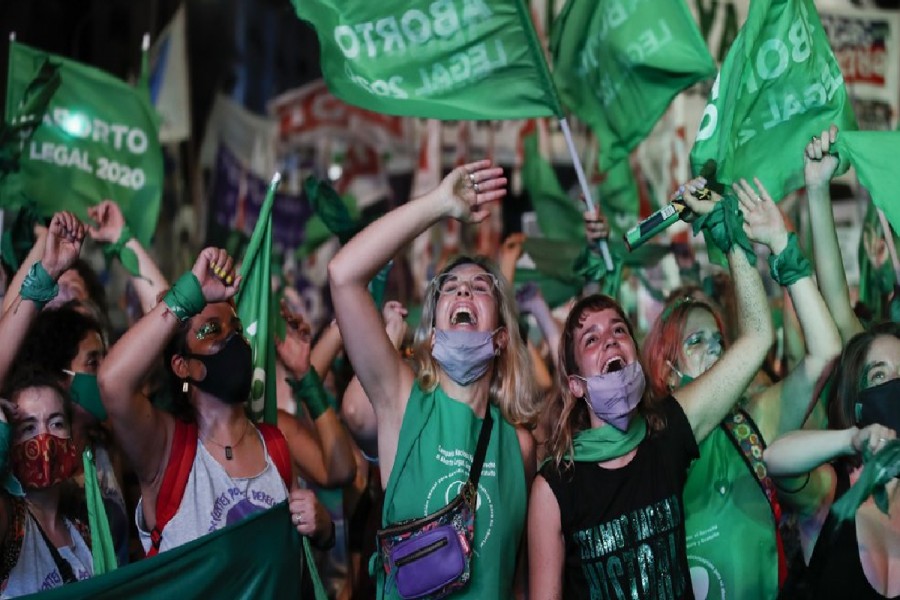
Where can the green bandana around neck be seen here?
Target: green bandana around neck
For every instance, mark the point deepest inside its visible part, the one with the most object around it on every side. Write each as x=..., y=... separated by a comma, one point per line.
x=599, y=444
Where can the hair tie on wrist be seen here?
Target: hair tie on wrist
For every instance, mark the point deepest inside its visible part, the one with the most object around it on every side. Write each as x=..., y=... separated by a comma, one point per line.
x=791, y=265
x=185, y=298
x=38, y=286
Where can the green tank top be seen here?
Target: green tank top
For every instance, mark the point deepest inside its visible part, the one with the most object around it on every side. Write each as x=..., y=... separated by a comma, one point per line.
x=731, y=545
x=434, y=452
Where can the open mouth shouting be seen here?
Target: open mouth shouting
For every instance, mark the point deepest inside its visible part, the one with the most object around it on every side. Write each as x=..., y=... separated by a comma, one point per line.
x=613, y=364
x=463, y=315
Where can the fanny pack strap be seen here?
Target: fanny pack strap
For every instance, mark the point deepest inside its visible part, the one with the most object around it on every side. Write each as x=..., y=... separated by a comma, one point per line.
x=480, y=452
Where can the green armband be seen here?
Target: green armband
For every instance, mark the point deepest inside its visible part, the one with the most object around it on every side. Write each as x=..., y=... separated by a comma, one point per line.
x=126, y=255
x=38, y=286
x=185, y=298
x=310, y=391
x=724, y=226
x=790, y=266
x=10, y=483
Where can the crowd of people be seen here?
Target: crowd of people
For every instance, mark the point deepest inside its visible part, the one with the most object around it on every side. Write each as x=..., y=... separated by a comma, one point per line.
x=465, y=458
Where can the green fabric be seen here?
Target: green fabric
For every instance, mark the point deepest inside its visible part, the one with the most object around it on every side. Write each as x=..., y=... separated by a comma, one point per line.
x=878, y=469
x=126, y=256
x=618, y=65
x=619, y=200
x=102, y=548
x=310, y=391
x=599, y=444
x=590, y=265
x=726, y=511
x=185, y=298
x=434, y=452
x=18, y=236
x=779, y=86
x=23, y=119
x=98, y=139
x=378, y=285
x=791, y=265
x=331, y=208
x=10, y=483
x=555, y=291
x=259, y=557
x=254, y=308
x=420, y=58
x=86, y=393
x=38, y=286
x=874, y=156
x=874, y=283
x=558, y=216
x=724, y=227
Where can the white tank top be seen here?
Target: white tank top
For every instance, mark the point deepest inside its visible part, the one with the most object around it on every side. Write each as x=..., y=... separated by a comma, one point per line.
x=213, y=500
x=35, y=571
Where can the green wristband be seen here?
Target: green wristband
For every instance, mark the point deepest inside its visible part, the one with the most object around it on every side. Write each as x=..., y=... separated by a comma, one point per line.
x=310, y=391
x=724, y=226
x=38, y=286
x=126, y=255
x=185, y=298
x=9, y=481
x=791, y=265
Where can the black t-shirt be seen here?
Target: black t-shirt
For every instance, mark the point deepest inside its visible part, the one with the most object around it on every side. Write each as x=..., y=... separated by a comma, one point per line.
x=624, y=528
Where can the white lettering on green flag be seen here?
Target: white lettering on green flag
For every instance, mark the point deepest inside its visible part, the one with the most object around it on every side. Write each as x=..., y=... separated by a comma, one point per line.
x=779, y=85
x=98, y=139
x=445, y=59
x=618, y=64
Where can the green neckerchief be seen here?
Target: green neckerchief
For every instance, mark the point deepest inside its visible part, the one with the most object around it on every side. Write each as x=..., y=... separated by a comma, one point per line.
x=102, y=549
x=598, y=444
x=791, y=265
x=878, y=470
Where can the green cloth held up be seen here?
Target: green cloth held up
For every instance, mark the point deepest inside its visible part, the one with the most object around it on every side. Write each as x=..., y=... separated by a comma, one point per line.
x=724, y=227
x=878, y=469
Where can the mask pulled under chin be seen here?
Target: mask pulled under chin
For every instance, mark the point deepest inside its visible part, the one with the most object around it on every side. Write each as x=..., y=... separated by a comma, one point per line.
x=614, y=396
x=464, y=355
x=43, y=461
x=229, y=372
x=880, y=404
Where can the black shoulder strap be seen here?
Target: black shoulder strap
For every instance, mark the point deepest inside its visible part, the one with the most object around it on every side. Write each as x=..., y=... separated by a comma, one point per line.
x=62, y=565
x=481, y=449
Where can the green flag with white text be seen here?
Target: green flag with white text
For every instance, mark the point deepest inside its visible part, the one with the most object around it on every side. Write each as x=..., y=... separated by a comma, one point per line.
x=255, y=307
x=618, y=64
x=97, y=139
x=874, y=155
x=442, y=59
x=779, y=85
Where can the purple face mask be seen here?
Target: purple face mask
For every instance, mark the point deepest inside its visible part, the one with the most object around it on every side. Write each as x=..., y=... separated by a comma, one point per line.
x=614, y=396
x=464, y=355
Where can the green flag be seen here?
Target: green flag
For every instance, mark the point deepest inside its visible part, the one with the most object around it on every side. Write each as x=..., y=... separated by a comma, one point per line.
x=255, y=309
x=558, y=215
x=103, y=552
x=875, y=283
x=618, y=65
x=443, y=59
x=874, y=156
x=97, y=139
x=779, y=86
x=619, y=199
x=259, y=557
x=26, y=116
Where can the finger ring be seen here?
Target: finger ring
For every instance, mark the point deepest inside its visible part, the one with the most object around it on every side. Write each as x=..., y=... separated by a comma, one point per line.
x=475, y=187
x=882, y=440
x=297, y=518
x=472, y=179
x=758, y=199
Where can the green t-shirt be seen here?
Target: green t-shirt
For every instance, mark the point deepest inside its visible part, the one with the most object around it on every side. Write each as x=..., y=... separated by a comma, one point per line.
x=731, y=544
x=434, y=453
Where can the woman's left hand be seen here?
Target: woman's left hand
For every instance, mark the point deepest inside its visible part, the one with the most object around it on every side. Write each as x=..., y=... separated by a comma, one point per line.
x=308, y=515
x=294, y=349
x=467, y=189
x=763, y=222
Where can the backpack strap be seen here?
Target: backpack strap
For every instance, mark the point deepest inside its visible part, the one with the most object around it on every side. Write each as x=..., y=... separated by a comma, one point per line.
x=15, y=536
x=745, y=435
x=171, y=490
x=277, y=448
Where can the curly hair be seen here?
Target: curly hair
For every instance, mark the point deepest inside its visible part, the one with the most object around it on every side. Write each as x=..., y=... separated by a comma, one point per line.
x=512, y=385
x=53, y=338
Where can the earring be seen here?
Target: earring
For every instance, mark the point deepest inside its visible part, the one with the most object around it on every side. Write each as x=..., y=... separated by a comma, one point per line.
x=184, y=387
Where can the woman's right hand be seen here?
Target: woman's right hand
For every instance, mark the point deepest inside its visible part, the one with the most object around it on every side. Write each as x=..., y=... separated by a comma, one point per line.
x=819, y=165
x=63, y=243
x=467, y=189
x=874, y=436
x=215, y=271
x=690, y=192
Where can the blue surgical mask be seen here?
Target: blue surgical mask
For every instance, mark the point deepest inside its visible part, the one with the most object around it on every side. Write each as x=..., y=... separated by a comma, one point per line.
x=464, y=355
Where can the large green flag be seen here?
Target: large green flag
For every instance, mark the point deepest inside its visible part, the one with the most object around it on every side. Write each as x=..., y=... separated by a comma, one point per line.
x=618, y=64
x=779, y=86
x=259, y=557
x=255, y=306
x=97, y=139
x=443, y=59
x=874, y=155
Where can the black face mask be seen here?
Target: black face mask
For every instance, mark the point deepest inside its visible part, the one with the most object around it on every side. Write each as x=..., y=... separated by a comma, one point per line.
x=229, y=372
x=880, y=404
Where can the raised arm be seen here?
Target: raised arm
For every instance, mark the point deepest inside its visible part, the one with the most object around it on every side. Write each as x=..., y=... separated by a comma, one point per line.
x=110, y=225
x=34, y=255
x=143, y=430
x=326, y=349
x=327, y=457
x=61, y=247
x=799, y=452
x=782, y=407
x=819, y=169
x=707, y=399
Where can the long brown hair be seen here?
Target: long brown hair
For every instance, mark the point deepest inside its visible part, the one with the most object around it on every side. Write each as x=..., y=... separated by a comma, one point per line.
x=572, y=414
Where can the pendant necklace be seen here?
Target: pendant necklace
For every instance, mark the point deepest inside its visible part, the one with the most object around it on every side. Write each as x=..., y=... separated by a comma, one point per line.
x=229, y=449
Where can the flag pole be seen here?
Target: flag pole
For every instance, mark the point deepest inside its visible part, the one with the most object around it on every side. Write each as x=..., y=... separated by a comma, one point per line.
x=585, y=189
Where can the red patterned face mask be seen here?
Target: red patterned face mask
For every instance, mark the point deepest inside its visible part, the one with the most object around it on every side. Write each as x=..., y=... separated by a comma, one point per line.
x=43, y=460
